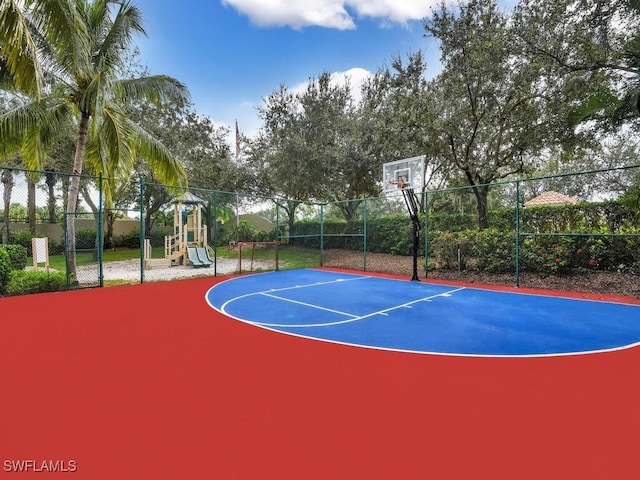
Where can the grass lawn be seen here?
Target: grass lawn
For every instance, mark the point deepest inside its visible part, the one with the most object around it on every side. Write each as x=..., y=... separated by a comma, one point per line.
x=289, y=257
x=84, y=258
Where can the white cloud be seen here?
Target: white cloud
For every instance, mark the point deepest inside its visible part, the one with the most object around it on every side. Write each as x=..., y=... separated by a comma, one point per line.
x=398, y=11
x=329, y=13
x=354, y=76
x=293, y=13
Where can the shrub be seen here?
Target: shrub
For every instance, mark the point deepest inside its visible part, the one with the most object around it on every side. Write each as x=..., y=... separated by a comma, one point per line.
x=490, y=250
x=5, y=269
x=156, y=237
x=21, y=237
x=86, y=239
x=391, y=234
x=56, y=248
x=246, y=231
x=579, y=253
x=17, y=256
x=550, y=254
x=129, y=240
x=22, y=282
x=443, y=249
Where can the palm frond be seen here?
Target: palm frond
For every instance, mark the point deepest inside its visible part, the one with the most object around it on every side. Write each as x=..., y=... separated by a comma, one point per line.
x=119, y=36
x=110, y=150
x=32, y=128
x=116, y=140
x=19, y=48
x=157, y=89
x=94, y=95
x=62, y=23
x=166, y=168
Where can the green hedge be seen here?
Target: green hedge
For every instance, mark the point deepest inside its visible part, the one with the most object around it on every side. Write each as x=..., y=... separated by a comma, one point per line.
x=15, y=280
x=17, y=256
x=493, y=250
x=390, y=234
x=489, y=250
x=22, y=282
x=554, y=239
x=5, y=269
x=609, y=216
x=23, y=237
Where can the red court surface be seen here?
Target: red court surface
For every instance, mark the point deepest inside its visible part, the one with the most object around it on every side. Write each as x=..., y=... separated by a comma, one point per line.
x=147, y=381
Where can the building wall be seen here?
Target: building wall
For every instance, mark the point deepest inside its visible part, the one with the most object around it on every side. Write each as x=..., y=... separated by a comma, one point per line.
x=55, y=232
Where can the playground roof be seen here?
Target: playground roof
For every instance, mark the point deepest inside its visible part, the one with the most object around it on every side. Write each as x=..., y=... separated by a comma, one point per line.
x=189, y=198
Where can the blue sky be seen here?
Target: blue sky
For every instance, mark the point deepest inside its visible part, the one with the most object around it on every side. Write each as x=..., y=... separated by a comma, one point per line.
x=233, y=53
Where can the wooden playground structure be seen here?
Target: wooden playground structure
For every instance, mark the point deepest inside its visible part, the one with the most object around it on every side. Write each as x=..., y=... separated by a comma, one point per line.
x=188, y=243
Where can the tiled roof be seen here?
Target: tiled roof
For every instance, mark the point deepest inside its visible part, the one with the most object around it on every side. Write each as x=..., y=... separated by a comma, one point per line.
x=550, y=198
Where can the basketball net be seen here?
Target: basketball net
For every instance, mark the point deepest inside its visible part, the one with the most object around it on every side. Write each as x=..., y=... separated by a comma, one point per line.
x=401, y=184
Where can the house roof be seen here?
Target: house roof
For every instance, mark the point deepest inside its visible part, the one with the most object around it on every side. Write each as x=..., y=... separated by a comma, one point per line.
x=550, y=198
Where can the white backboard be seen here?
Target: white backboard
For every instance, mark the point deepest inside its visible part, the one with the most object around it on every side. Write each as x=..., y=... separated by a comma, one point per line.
x=409, y=171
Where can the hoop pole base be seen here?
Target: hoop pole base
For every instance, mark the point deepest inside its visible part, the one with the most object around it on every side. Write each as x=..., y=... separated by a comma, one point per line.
x=412, y=206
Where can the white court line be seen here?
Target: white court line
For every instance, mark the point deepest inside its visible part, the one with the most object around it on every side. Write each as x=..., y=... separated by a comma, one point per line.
x=355, y=318
x=318, y=307
x=271, y=290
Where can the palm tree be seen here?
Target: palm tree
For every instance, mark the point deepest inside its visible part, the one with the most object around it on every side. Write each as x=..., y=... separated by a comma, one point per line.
x=84, y=64
x=21, y=22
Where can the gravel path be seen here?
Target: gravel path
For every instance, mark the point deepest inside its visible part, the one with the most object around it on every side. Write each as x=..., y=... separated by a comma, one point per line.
x=612, y=283
x=594, y=282
x=129, y=270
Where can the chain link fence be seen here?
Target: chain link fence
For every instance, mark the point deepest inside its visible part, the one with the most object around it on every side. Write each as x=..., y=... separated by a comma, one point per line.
x=571, y=225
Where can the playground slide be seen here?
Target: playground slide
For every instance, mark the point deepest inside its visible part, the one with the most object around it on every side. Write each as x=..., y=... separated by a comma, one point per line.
x=194, y=259
x=203, y=255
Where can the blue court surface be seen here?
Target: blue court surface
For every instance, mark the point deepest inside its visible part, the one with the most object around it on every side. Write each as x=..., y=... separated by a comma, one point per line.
x=420, y=317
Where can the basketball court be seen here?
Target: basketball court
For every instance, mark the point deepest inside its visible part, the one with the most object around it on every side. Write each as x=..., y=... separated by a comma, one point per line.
x=318, y=374
x=375, y=312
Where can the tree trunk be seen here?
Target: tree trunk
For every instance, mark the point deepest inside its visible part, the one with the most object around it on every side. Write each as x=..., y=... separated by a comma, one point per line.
x=482, y=193
x=96, y=215
x=291, y=211
x=65, y=192
x=108, y=220
x=51, y=181
x=349, y=208
x=31, y=205
x=8, y=183
x=72, y=199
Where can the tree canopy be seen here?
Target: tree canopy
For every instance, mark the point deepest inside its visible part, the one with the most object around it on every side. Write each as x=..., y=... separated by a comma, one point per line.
x=540, y=88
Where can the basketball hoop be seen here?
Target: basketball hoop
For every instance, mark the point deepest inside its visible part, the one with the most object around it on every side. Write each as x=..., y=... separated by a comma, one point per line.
x=400, y=183
x=405, y=174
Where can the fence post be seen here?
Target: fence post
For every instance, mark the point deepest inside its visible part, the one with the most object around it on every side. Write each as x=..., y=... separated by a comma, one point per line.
x=67, y=252
x=100, y=233
x=322, y=234
x=426, y=233
x=364, y=232
x=278, y=236
x=517, y=233
x=141, y=230
x=214, y=212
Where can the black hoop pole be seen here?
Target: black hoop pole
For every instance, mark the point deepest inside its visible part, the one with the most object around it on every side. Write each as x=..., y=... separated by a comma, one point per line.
x=412, y=206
